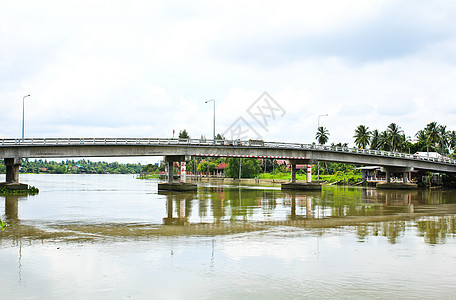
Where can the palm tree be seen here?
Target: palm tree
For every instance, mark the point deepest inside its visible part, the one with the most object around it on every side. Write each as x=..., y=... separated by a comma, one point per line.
x=452, y=140
x=384, y=141
x=394, y=133
x=362, y=136
x=421, y=139
x=374, y=142
x=322, y=135
x=432, y=135
x=444, y=138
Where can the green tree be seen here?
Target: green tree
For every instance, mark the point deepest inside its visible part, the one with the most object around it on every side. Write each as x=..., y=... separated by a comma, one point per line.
x=183, y=134
x=452, y=140
x=394, y=135
x=444, y=139
x=421, y=142
x=375, y=139
x=362, y=136
x=432, y=135
x=322, y=135
x=250, y=167
x=384, y=141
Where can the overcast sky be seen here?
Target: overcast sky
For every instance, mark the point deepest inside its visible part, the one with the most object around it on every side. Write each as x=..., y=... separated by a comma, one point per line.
x=146, y=68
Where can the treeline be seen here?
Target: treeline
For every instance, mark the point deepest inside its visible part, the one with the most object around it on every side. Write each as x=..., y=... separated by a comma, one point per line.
x=432, y=138
x=75, y=167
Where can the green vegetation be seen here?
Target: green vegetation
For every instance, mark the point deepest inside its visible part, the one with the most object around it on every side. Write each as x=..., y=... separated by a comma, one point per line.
x=322, y=135
x=30, y=191
x=183, y=134
x=250, y=167
x=75, y=167
x=433, y=138
x=3, y=225
x=340, y=176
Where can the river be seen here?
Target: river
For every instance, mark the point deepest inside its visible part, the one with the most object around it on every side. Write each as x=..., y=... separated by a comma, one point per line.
x=115, y=236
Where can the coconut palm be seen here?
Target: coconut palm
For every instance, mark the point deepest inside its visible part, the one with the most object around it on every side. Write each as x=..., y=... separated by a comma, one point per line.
x=374, y=142
x=362, y=136
x=394, y=133
x=443, y=140
x=452, y=140
x=384, y=142
x=322, y=135
x=432, y=135
x=421, y=139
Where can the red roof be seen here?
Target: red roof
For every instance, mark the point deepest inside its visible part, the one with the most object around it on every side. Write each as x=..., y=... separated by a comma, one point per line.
x=221, y=166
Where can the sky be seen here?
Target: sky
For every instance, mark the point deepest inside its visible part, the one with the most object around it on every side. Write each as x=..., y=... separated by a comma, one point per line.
x=146, y=68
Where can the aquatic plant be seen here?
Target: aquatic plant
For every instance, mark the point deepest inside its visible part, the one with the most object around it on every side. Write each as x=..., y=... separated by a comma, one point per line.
x=30, y=191
x=2, y=225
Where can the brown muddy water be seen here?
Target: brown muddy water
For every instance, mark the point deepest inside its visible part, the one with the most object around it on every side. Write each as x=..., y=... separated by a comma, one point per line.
x=115, y=237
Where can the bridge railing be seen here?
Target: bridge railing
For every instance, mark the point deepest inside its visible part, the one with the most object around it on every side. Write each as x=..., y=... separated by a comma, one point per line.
x=211, y=143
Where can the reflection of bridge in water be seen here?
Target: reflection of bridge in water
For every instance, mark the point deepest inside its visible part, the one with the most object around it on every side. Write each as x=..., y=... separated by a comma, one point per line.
x=230, y=210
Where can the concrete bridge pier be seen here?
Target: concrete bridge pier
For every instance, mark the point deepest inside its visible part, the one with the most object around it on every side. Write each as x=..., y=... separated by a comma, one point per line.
x=405, y=184
x=308, y=185
x=12, y=175
x=176, y=186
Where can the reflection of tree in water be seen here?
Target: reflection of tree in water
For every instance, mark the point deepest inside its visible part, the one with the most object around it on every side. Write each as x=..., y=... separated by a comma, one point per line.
x=350, y=202
x=436, y=229
x=392, y=230
x=243, y=202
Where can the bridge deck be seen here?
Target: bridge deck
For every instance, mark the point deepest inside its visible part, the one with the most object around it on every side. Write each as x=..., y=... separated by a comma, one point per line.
x=117, y=147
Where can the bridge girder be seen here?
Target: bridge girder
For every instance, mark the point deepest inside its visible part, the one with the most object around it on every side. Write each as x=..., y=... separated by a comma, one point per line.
x=295, y=153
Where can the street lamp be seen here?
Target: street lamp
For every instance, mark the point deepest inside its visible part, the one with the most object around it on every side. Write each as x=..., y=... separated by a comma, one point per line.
x=214, y=115
x=318, y=163
x=23, y=114
x=325, y=115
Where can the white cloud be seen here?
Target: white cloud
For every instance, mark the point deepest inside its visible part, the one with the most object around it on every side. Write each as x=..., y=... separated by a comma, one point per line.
x=146, y=68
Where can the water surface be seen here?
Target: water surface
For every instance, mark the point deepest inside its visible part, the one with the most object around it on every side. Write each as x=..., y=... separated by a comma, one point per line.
x=114, y=236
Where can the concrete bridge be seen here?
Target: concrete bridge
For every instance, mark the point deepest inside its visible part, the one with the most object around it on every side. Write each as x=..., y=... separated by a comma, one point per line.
x=14, y=150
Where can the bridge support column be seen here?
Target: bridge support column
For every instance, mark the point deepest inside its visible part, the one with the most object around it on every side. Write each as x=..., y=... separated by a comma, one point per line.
x=308, y=185
x=405, y=184
x=12, y=175
x=176, y=186
x=309, y=173
x=388, y=176
x=405, y=177
x=170, y=171
x=293, y=172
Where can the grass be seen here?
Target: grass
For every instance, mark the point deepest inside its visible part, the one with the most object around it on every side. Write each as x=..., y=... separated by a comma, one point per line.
x=348, y=177
x=148, y=176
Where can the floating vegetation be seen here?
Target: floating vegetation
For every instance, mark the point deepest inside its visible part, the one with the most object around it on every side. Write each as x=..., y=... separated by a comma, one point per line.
x=30, y=191
x=3, y=225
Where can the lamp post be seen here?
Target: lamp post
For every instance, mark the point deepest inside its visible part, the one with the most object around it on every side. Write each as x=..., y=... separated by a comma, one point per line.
x=318, y=164
x=214, y=116
x=23, y=114
x=325, y=115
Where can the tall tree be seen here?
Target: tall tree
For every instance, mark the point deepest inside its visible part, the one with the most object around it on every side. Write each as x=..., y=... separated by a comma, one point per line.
x=374, y=142
x=443, y=140
x=183, y=134
x=432, y=135
x=250, y=167
x=421, y=138
x=384, y=142
x=322, y=135
x=394, y=134
x=452, y=140
x=362, y=136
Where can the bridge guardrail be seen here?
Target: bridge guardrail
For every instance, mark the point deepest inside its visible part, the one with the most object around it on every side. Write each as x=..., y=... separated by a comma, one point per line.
x=208, y=142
